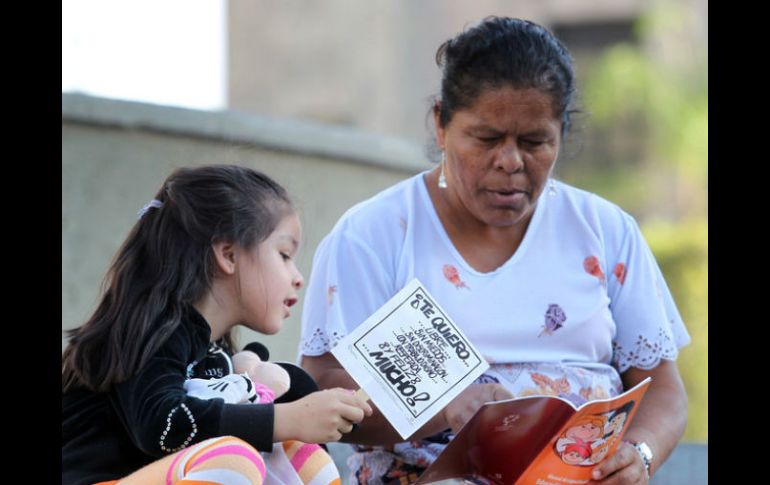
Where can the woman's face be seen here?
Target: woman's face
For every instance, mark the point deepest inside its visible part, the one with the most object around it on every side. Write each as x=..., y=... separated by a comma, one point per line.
x=499, y=154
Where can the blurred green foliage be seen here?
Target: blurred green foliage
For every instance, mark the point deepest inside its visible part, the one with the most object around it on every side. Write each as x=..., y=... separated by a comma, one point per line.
x=655, y=94
x=682, y=253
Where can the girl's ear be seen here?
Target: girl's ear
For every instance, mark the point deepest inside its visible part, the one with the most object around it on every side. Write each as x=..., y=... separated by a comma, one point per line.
x=224, y=257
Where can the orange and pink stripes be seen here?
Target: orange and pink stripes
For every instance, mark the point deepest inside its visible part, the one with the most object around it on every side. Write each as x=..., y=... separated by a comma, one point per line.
x=233, y=461
x=206, y=454
x=313, y=465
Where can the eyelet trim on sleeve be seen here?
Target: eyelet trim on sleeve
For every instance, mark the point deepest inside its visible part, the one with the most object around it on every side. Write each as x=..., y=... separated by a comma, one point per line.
x=645, y=353
x=320, y=342
x=168, y=428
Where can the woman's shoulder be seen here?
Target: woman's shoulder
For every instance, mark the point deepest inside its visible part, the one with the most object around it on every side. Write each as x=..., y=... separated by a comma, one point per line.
x=370, y=218
x=592, y=207
x=584, y=214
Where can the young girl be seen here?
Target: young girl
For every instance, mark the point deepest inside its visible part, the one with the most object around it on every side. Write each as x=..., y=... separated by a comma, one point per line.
x=213, y=250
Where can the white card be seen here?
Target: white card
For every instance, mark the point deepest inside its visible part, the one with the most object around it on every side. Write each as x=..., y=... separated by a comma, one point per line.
x=411, y=358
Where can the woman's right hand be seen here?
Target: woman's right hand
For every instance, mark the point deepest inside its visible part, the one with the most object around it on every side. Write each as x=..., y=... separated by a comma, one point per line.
x=320, y=417
x=464, y=406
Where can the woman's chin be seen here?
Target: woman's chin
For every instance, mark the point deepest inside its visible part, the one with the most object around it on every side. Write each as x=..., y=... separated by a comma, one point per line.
x=503, y=217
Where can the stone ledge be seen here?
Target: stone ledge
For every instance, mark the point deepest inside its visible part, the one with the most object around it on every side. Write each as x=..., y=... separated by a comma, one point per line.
x=293, y=136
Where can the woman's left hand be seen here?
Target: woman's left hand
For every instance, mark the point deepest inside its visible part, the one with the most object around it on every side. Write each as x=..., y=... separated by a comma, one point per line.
x=462, y=408
x=625, y=467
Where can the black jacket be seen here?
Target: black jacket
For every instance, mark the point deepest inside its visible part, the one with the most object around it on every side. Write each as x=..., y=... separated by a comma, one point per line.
x=106, y=436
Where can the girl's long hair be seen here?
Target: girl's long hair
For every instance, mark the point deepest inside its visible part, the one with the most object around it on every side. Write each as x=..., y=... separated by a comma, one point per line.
x=165, y=265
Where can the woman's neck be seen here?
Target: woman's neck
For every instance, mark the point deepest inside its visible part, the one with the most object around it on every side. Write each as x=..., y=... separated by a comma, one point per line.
x=482, y=246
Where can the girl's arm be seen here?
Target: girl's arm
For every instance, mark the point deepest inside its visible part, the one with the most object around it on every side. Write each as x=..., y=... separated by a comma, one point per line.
x=375, y=429
x=659, y=422
x=320, y=416
x=160, y=418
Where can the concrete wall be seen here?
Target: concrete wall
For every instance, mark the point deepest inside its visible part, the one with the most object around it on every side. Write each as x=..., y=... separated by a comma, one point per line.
x=116, y=154
x=366, y=64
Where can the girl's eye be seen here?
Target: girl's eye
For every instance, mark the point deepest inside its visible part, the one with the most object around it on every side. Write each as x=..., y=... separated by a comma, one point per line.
x=285, y=256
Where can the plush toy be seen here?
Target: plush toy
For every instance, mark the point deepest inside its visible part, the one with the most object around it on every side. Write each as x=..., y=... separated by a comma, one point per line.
x=271, y=381
x=253, y=379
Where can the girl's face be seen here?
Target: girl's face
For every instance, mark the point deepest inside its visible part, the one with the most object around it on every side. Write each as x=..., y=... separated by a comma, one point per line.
x=269, y=279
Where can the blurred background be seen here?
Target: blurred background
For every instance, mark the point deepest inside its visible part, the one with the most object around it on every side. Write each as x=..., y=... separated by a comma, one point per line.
x=331, y=99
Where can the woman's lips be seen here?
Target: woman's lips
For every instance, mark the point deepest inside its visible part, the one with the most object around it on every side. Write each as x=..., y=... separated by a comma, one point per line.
x=507, y=198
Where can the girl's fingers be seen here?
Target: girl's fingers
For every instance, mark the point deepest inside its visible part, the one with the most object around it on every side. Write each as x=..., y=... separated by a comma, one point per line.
x=346, y=427
x=353, y=414
x=357, y=398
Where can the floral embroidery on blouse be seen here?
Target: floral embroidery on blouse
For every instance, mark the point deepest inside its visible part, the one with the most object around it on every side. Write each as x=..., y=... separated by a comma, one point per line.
x=451, y=274
x=646, y=353
x=330, y=293
x=561, y=387
x=620, y=272
x=592, y=267
x=658, y=292
x=402, y=223
x=554, y=319
x=381, y=467
x=486, y=379
x=319, y=342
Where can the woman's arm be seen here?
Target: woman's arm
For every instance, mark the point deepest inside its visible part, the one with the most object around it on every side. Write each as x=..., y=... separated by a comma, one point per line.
x=659, y=422
x=375, y=429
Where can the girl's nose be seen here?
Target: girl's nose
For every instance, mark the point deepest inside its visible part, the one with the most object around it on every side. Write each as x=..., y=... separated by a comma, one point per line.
x=299, y=281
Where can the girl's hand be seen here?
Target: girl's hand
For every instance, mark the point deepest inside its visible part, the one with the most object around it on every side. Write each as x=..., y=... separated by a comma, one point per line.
x=320, y=417
x=625, y=467
x=464, y=406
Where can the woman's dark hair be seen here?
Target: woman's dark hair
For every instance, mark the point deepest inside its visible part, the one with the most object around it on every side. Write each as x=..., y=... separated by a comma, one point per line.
x=500, y=52
x=165, y=265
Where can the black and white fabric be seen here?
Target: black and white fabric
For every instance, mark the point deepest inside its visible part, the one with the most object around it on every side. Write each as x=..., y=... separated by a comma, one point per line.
x=233, y=388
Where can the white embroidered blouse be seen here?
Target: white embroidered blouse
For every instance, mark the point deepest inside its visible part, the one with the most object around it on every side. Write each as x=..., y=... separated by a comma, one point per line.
x=580, y=301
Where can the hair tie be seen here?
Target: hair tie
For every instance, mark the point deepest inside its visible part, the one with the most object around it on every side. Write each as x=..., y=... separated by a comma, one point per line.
x=153, y=203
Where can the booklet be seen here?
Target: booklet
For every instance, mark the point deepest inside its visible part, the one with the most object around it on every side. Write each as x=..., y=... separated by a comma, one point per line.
x=410, y=358
x=540, y=440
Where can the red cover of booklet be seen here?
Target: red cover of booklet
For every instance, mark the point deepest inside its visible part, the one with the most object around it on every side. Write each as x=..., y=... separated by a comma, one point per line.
x=537, y=440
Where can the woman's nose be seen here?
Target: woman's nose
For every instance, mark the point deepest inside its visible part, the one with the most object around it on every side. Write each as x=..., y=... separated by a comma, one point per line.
x=509, y=159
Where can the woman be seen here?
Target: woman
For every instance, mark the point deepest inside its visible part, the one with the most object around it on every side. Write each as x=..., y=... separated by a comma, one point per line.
x=554, y=285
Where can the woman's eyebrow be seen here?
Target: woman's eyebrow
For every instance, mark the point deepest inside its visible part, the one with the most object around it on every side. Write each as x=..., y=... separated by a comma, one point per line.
x=483, y=128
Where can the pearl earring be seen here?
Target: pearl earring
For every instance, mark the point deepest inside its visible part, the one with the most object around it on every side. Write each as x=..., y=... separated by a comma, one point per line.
x=551, y=188
x=441, y=178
